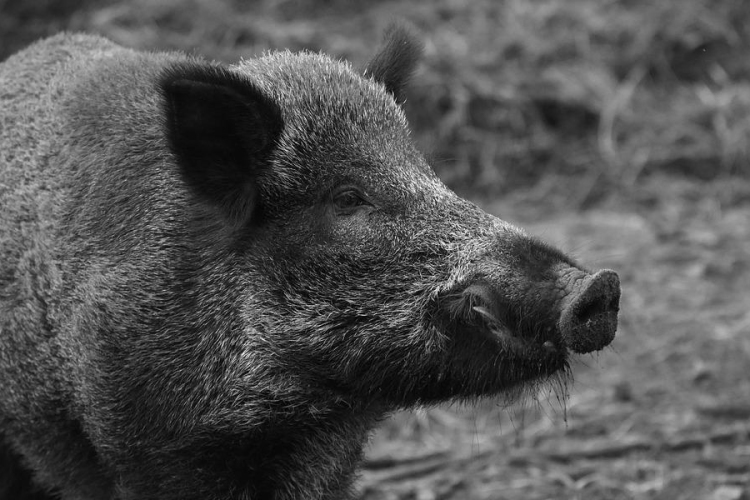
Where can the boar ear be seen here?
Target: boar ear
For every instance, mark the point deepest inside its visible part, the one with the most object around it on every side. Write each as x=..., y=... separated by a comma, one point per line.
x=222, y=131
x=395, y=62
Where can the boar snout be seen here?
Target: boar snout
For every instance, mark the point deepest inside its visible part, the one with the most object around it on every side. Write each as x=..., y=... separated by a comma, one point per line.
x=589, y=314
x=575, y=311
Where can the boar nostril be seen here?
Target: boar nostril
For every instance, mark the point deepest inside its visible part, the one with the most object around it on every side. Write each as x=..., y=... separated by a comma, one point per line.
x=589, y=311
x=589, y=320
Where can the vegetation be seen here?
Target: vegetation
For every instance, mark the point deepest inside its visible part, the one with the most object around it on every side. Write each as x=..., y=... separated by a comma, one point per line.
x=618, y=129
x=576, y=98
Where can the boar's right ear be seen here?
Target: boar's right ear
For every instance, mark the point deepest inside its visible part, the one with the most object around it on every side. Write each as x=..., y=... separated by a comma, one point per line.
x=222, y=130
x=395, y=62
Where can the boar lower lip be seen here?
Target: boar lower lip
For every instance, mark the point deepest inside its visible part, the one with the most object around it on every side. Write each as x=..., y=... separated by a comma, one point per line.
x=516, y=340
x=496, y=327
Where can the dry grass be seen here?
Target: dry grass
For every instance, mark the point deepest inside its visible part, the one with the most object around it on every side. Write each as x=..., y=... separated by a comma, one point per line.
x=577, y=98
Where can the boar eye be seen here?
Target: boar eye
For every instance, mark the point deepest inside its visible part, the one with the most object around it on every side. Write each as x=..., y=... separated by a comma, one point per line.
x=347, y=201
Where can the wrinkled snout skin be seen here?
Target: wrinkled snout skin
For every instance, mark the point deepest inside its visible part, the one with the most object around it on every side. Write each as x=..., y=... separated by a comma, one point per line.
x=216, y=280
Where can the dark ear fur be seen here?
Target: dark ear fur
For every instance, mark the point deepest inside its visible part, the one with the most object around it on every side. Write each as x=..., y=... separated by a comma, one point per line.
x=222, y=130
x=395, y=62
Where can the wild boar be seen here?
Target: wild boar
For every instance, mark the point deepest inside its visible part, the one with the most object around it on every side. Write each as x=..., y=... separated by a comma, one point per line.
x=215, y=280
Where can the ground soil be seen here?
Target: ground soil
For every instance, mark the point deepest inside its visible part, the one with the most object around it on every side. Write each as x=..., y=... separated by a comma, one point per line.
x=664, y=413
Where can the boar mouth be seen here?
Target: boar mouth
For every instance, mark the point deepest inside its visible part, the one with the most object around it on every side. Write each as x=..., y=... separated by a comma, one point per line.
x=476, y=310
x=486, y=331
x=546, y=338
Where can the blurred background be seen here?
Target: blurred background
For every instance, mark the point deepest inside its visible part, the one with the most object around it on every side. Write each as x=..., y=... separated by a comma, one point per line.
x=618, y=130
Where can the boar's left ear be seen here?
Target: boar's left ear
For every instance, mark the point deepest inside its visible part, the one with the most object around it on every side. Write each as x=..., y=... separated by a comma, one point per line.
x=222, y=130
x=395, y=62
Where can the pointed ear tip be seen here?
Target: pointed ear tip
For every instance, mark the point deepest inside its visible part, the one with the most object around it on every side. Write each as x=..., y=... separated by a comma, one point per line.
x=397, y=58
x=403, y=31
x=404, y=36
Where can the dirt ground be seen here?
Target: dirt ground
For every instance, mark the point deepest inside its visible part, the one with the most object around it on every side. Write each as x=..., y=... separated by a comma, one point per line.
x=662, y=414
